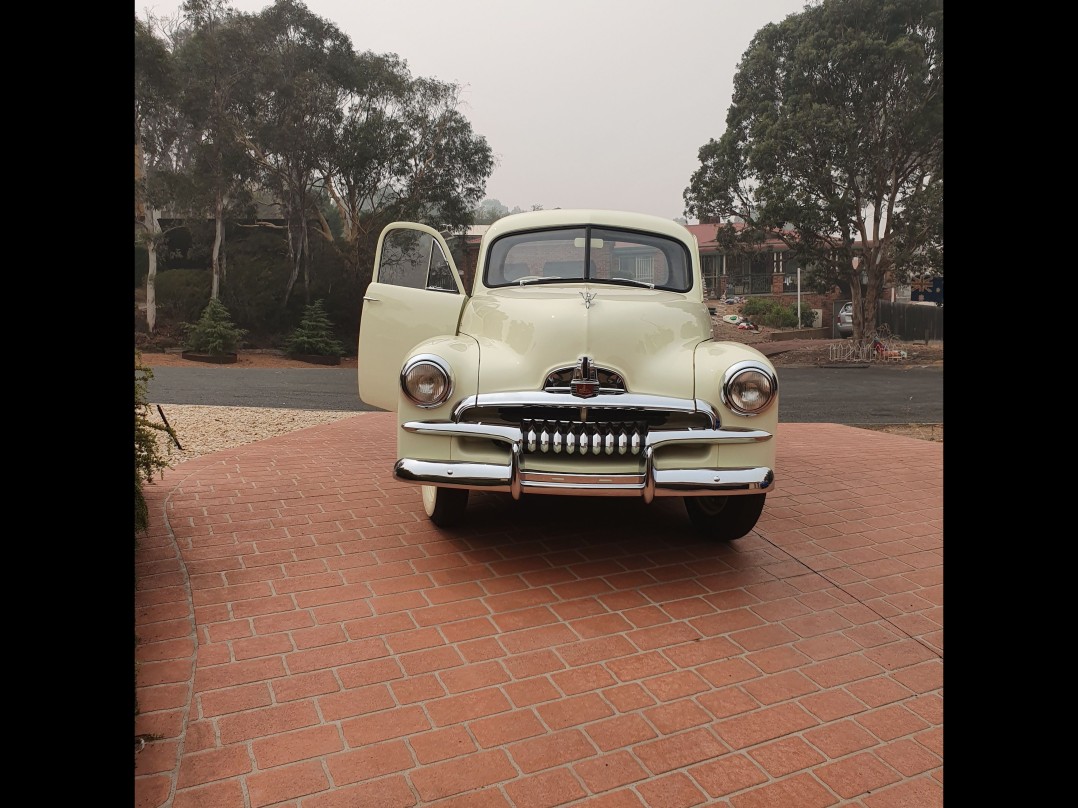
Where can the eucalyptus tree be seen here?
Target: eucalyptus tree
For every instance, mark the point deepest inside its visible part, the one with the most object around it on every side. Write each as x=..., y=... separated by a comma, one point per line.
x=403, y=151
x=834, y=143
x=302, y=71
x=155, y=132
x=489, y=211
x=214, y=72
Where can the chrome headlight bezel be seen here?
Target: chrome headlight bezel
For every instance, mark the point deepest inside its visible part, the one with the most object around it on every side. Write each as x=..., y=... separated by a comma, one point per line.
x=439, y=367
x=742, y=376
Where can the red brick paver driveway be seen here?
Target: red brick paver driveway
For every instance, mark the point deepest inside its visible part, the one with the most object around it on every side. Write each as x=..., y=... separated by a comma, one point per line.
x=308, y=639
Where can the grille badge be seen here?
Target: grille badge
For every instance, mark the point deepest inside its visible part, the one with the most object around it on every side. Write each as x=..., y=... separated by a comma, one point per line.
x=585, y=382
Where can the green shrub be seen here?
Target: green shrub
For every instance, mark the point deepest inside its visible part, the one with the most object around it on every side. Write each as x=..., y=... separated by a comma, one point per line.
x=150, y=458
x=340, y=289
x=257, y=273
x=214, y=333
x=782, y=315
x=314, y=335
x=754, y=307
x=181, y=294
x=770, y=312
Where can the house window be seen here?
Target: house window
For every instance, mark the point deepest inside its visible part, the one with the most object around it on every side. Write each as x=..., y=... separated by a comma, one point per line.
x=790, y=266
x=712, y=270
x=750, y=274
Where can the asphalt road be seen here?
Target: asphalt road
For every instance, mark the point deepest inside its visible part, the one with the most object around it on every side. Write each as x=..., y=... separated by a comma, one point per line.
x=853, y=395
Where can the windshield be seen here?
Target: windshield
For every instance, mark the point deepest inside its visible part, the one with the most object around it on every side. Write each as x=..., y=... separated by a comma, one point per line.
x=593, y=254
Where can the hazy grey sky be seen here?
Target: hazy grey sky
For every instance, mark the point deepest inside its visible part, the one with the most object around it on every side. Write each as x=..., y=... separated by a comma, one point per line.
x=585, y=103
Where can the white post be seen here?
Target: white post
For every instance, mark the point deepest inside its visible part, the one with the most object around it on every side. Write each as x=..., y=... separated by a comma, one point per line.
x=799, y=297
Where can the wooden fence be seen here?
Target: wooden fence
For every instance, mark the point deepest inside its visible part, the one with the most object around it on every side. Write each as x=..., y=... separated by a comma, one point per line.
x=911, y=322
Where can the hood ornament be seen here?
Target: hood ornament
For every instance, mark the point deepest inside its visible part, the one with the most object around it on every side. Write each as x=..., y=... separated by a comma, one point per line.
x=585, y=382
x=588, y=297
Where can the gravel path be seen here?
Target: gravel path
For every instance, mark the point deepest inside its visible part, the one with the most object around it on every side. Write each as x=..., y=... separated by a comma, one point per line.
x=204, y=430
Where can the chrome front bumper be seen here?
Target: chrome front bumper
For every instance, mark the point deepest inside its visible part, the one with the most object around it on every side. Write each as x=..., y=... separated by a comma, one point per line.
x=652, y=482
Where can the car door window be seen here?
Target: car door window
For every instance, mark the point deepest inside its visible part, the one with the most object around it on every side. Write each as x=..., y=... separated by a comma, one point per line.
x=440, y=276
x=415, y=260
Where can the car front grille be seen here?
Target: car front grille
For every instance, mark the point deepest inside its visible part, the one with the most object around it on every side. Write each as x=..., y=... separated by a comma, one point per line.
x=542, y=436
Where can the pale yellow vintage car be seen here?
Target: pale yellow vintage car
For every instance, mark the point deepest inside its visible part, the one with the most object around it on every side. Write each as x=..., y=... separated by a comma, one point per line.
x=582, y=362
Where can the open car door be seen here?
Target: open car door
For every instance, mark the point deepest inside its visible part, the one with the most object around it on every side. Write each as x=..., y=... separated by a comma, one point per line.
x=416, y=294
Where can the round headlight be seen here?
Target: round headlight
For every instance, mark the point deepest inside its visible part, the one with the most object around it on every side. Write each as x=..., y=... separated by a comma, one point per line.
x=426, y=380
x=749, y=388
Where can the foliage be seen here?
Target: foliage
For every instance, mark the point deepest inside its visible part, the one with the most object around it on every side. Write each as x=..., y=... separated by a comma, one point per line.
x=918, y=246
x=339, y=287
x=214, y=333
x=489, y=211
x=150, y=458
x=834, y=144
x=403, y=150
x=258, y=268
x=155, y=85
x=142, y=264
x=303, y=66
x=186, y=247
x=182, y=293
x=215, y=76
x=314, y=335
x=770, y=312
x=158, y=128
x=278, y=106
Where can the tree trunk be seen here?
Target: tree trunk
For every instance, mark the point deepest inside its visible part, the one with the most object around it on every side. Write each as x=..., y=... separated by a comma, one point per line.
x=153, y=230
x=866, y=296
x=223, y=258
x=218, y=235
x=306, y=268
x=297, y=253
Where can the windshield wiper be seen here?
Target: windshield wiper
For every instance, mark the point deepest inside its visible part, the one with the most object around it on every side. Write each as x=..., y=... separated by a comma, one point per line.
x=630, y=281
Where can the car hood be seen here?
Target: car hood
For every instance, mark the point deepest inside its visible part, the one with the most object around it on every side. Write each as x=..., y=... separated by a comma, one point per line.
x=646, y=335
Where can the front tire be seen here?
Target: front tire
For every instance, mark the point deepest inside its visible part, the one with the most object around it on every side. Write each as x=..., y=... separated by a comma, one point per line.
x=725, y=518
x=445, y=506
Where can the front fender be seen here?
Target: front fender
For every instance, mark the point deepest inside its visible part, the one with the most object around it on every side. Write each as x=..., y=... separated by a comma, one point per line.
x=461, y=353
x=712, y=359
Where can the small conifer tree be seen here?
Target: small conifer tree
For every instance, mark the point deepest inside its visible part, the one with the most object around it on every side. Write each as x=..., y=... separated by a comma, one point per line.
x=314, y=336
x=214, y=333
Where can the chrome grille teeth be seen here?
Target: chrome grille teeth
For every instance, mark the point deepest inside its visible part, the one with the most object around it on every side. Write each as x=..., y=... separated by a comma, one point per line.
x=584, y=438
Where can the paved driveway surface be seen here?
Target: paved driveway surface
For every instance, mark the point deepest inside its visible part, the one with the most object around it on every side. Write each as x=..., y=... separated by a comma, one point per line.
x=309, y=639
x=849, y=395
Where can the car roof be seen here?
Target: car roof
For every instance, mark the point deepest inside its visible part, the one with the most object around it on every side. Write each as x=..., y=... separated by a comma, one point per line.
x=567, y=217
